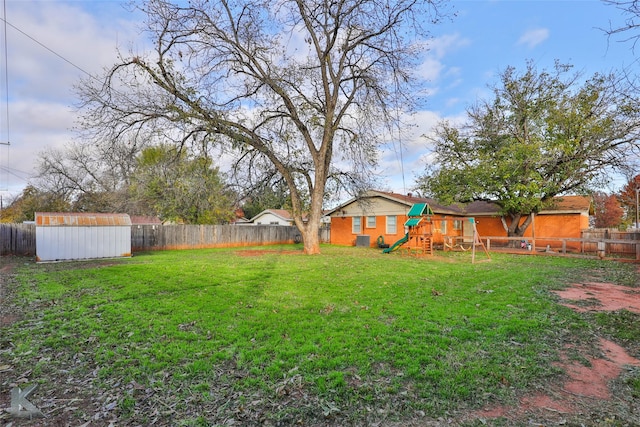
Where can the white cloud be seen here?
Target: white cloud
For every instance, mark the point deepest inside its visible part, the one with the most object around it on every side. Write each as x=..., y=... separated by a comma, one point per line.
x=400, y=159
x=441, y=46
x=432, y=67
x=533, y=37
x=34, y=127
x=50, y=46
x=452, y=102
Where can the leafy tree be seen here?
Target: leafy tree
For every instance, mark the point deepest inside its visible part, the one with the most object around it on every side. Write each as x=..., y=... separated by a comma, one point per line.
x=607, y=210
x=628, y=198
x=32, y=200
x=299, y=84
x=542, y=135
x=182, y=189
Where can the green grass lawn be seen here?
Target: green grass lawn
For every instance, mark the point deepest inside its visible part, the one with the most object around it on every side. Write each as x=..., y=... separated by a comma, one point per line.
x=200, y=337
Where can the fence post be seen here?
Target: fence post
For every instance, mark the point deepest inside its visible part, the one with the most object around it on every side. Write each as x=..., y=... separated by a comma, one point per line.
x=602, y=249
x=638, y=251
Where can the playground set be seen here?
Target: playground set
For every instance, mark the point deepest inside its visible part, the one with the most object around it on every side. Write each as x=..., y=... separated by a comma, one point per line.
x=419, y=239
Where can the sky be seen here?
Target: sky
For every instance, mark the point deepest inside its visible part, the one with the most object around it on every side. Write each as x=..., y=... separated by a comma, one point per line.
x=48, y=45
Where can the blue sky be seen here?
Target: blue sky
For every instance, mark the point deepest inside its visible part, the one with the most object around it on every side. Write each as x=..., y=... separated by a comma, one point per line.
x=486, y=37
x=466, y=54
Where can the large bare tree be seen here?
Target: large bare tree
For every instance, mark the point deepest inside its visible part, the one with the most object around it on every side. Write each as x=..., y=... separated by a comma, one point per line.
x=307, y=85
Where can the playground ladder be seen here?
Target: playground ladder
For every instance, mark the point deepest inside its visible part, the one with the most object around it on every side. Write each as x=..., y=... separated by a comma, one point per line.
x=427, y=245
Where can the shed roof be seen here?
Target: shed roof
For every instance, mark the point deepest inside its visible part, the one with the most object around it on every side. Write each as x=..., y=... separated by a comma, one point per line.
x=76, y=219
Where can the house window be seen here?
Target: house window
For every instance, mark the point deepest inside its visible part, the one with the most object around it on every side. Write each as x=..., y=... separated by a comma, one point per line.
x=391, y=224
x=355, y=225
x=457, y=224
x=371, y=222
x=443, y=226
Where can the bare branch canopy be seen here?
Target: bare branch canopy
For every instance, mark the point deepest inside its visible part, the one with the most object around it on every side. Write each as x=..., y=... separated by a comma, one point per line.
x=304, y=85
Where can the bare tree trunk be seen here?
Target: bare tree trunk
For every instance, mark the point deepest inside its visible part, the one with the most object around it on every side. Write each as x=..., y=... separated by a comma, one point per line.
x=311, y=238
x=515, y=229
x=310, y=227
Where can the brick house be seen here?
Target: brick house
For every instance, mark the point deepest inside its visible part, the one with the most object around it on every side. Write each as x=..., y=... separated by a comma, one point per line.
x=382, y=215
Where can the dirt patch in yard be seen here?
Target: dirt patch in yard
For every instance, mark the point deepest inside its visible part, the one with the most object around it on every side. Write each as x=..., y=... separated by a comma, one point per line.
x=585, y=394
x=601, y=297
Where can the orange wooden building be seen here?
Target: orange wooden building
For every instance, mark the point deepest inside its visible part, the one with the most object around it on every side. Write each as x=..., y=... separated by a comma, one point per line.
x=381, y=216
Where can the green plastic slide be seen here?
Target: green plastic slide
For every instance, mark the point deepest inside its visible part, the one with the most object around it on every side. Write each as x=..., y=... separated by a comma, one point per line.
x=397, y=244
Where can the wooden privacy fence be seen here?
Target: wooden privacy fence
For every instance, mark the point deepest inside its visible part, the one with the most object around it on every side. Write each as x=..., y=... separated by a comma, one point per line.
x=600, y=243
x=617, y=241
x=164, y=237
x=18, y=239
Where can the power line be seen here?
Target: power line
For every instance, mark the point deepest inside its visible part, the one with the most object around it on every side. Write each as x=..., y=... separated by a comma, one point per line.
x=5, y=169
x=16, y=173
x=38, y=42
x=7, y=23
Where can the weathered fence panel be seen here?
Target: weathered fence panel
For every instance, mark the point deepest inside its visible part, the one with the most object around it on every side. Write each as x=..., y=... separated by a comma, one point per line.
x=18, y=239
x=165, y=237
x=611, y=234
x=594, y=244
x=325, y=233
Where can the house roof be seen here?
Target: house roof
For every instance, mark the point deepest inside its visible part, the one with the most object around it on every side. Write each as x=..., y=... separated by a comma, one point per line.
x=61, y=219
x=407, y=200
x=561, y=204
x=570, y=204
x=481, y=207
x=283, y=214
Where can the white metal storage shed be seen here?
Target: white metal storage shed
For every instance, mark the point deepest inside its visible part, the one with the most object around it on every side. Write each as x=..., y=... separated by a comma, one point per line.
x=74, y=236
